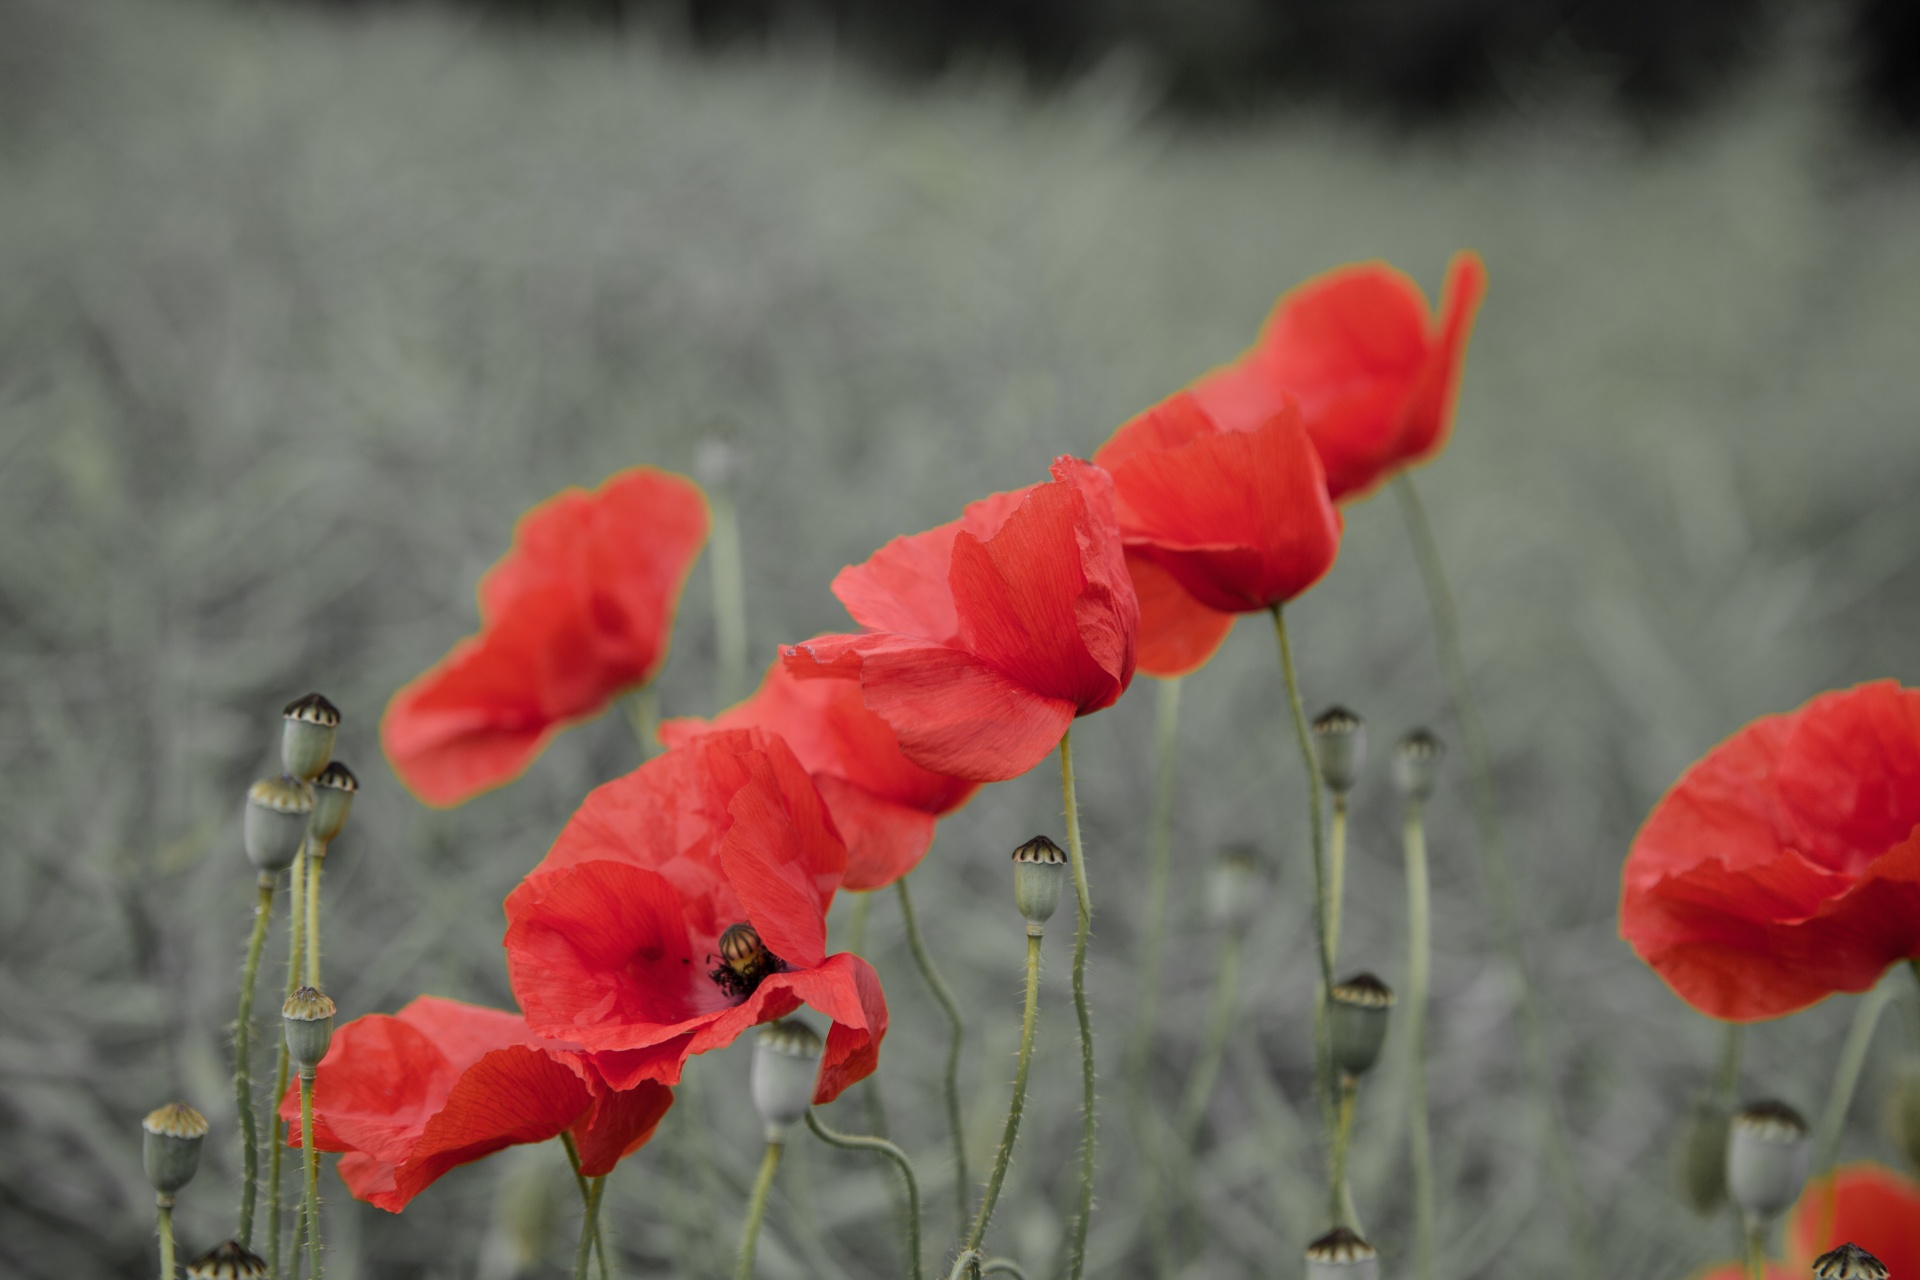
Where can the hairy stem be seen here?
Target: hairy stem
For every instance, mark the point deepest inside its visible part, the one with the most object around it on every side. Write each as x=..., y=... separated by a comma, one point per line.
x=1004, y=1154
x=854, y=1142
x=1846, y=1074
x=312, y=1160
x=296, y=929
x=316, y=857
x=1419, y=980
x=962, y=1185
x=1083, y=1214
x=1166, y=744
x=757, y=1209
x=243, y=1062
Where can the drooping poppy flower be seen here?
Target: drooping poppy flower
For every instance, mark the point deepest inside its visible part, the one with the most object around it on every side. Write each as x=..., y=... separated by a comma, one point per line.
x=685, y=903
x=408, y=1097
x=579, y=611
x=1374, y=372
x=988, y=635
x=1863, y=1204
x=1233, y=520
x=884, y=805
x=1785, y=865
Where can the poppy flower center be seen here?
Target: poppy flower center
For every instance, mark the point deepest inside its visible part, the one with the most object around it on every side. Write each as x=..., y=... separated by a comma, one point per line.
x=746, y=961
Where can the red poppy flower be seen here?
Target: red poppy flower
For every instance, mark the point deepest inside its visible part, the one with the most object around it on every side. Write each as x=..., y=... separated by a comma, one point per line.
x=685, y=903
x=1785, y=865
x=987, y=636
x=1863, y=1204
x=884, y=805
x=407, y=1098
x=580, y=610
x=1374, y=372
x=1238, y=520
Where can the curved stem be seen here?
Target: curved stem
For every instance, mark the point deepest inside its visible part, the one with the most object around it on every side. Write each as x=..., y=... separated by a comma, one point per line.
x=1011, y=1132
x=312, y=1160
x=1166, y=745
x=1213, y=1048
x=1084, y=1212
x=1495, y=867
x=1846, y=1075
x=1336, y=876
x=962, y=1185
x=854, y=1142
x=642, y=709
x=590, y=1230
x=296, y=929
x=586, y=1200
x=757, y=1209
x=1419, y=980
x=163, y=1223
x=1002, y=1267
x=316, y=857
x=729, y=602
x=243, y=1062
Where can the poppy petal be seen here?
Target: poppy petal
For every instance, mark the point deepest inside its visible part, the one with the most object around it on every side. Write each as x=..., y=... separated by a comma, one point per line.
x=901, y=587
x=1178, y=634
x=618, y=1123
x=1864, y=1204
x=957, y=715
x=885, y=840
x=1428, y=416
x=784, y=858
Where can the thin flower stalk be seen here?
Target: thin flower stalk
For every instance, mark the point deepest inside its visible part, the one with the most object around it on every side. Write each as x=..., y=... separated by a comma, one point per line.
x=1846, y=1075
x=1336, y=875
x=943, y=994
x=1011, y=1132
x=590, y=1230
x=857, y=1142
x=311, y=1157
x=1083, y=926
x=1166, y=740
x=296, y=930
x=315, y=857
x=1419, y=983
x=163, y=1223
x=243, y=1062
x=642, y=710
x=1340, y=1194
x=586, y=1201
x=757, y=1209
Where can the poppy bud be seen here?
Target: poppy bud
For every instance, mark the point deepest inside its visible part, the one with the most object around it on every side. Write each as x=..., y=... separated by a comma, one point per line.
x=1357, y=1022
x=786, y=1066
x=1904, y=1112
x=1236, y=888
x=1416, y=761
x=171, y=1148
x=333, y=789
x=1767, y=1156
x=307, y=1017
x=274, y=824
x=1342, y=1255
x=227, y=1261
x=306, y=741
x=1038, y=868
x=1340, y=742
x=1700, y=1156
x=717, y=462
x=1849, y=1262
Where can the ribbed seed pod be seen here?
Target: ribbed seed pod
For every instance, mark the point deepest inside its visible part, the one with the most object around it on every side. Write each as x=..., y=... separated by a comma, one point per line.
x=1849, y=1262
x=333, y=791
x=1039, y=868
x=786, y=1068
x=1342, y=1255
x=1236, y=888
x=1357, y=1013
x=307, y=1017
x=1767, y=1154
x=170, y=1148
x=1700, y=1155
x=1416, y=763
x=274, y=823
x=306, y=739
x=227, y=1261
x=1340, y=743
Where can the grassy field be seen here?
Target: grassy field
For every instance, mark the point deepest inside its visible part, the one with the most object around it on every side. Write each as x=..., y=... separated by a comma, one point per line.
x=297, y=315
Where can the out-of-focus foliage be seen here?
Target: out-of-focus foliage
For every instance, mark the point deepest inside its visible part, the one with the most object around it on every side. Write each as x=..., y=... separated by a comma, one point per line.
x=297, y=314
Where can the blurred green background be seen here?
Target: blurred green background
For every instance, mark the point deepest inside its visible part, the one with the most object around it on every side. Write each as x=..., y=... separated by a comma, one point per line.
x=300, y=309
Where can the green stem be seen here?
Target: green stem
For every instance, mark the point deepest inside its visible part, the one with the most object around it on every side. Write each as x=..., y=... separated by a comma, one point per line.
x=1166, y=743
x=729, y=603
x=962, y=1185
x=967, y=1264
x=1726, y=1079
x=590, y=1230
x=1756, y=1249
x=1340, y=1197
x=316, y=857
x=1002, y=1267
x=854, y=1142
x=1419, y=980
x=163, y=1222
x=757, y=1209
x=642, y=709
x=296, y=927
x=243, y=1062
x=1213, y=1048
x=312, y=1160
x=1336, y=876
x=1496, y=868
x=1083, y=1215
x=857, y=923
x=1846, y=1075
x=1029, y=1016
x=586, y=1200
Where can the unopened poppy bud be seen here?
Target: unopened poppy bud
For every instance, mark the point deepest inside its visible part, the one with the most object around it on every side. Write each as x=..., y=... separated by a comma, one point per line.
x=229, y=1261
x=1236, y=888
x=1342, y=1255
x=1038, y=869
x=717, y=462
x=1904, y=1113
x=1767, y=1155
x=1416, y=763
x=1357, y=1015
x=1340, y=742
x=1849, y=1262
x=274, y=824
x=307, y=1017
x=306, y=741
x=786, y=1066
x=170, y=1149
x=333, y=790
x=1700, y=1156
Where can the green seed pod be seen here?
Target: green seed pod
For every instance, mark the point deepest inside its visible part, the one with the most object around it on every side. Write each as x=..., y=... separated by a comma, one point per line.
x=1342, y=1255
x=1700, y=1155
x=1357, y=1013
x=307, y=1017
x=1849, y=1262
x=274, y=823
x=171, y=1146
x=333, y=789
x=1903, y=1114
x=306, y=741
x=1038, y=869
x=1767, y=1155
x=1340, y=742
x=786, y=1067
x=1416, y=763
x=227, y=1261
x=1236, y=888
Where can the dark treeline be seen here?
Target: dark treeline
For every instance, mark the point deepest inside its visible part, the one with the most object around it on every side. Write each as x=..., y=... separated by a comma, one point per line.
x=1417, y=59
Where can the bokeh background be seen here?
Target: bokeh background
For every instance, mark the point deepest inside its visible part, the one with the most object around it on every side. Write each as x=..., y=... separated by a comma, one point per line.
x=301, y=305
